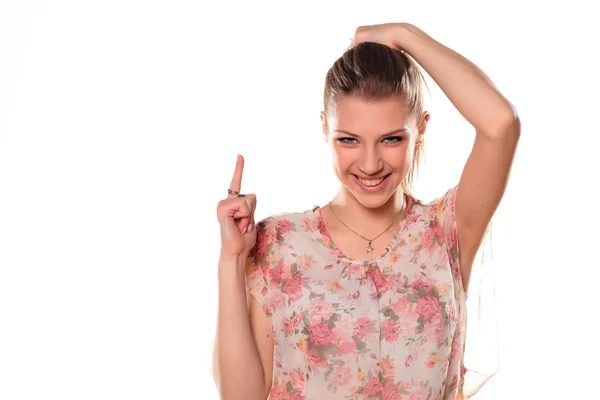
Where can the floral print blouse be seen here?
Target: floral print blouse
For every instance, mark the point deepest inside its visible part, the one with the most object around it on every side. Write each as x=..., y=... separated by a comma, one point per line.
x=387, y=327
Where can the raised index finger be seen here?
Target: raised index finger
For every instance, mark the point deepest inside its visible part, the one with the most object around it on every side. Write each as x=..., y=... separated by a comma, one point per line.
x=236, y=182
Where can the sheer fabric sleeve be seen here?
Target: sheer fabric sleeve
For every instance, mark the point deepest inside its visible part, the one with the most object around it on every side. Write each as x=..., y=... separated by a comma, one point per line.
x=259, y=262
x=475, y=346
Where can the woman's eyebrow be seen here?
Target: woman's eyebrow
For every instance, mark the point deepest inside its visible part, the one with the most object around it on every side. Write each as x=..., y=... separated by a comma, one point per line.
x=385, y=134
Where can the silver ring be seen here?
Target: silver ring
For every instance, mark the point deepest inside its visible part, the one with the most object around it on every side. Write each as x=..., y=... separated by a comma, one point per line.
x=241, y=195
x=232, y=192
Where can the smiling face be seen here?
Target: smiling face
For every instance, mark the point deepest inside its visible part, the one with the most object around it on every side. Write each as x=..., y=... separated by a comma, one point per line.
x=373, y=145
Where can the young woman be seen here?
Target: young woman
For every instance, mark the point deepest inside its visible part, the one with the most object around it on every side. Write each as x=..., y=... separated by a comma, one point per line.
x=365, y=297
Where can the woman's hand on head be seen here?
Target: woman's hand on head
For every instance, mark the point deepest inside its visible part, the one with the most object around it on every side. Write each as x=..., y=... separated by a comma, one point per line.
x=387, y=34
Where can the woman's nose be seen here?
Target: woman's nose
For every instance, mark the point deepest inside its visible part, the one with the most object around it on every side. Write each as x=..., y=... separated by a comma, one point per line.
x=371, y=162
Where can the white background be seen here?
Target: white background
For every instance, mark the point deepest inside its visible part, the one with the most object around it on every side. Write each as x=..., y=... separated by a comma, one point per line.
x=120, y=122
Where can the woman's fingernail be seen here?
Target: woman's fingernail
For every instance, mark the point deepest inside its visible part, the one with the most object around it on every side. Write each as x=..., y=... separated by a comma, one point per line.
x=250, y=227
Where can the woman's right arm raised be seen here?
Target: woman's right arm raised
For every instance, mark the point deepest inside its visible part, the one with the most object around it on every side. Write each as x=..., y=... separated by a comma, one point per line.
x=243, y=350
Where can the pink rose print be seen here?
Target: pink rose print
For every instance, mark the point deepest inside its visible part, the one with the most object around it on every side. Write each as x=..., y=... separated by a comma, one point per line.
x=395, y=282
x=290, y=326
x=388, y=367
x=409, y=360
x=410, y=321
x=284, y=226
x=391, y=391
x=279, y=392
x=340, y=376
x=432, y=361
x=455, y=346
x=262, y=244
x=279, y=273
x=354, y=270
x=434, y=330
x=372, y=387
x=452, y=238
x=320, y=334
x=363, y=327
x=432, y=235
x=391, y=330
x=422, y=284
x=346, y=348
x=315, y=361
x=452, y=314
x=343, y=327
x=413, y=218
x=378, y=279
x=319, y=309
x=402, y=306
x=293, y=287
x=309, y=225
x=428, y=307
x=271, y=231
x=305, y=262
x=297, y=378
x=277, y=299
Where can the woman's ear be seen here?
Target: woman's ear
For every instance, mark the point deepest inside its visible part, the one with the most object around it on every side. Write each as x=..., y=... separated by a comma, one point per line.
x=324, y=125
x=422, y=128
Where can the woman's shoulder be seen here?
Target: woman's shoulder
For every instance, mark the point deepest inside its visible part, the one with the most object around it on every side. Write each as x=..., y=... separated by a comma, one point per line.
x=438, y=203
x=443, y=198
x=283, y=224
x=435, y=208
x=283, y=217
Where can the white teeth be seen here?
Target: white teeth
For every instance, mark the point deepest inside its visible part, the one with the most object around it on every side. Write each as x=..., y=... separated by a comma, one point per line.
x=371, y=182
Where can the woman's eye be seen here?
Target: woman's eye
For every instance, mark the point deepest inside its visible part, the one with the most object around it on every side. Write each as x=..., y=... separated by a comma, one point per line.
x=389, y=139
x=393, y=139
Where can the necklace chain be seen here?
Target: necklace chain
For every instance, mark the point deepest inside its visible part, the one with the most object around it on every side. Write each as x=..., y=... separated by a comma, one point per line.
x=369, y=249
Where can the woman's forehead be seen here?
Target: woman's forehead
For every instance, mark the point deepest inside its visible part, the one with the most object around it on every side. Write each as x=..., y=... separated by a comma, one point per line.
x=360, y=115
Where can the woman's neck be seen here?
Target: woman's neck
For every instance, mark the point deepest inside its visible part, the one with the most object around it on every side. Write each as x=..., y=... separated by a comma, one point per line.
x=354, y=214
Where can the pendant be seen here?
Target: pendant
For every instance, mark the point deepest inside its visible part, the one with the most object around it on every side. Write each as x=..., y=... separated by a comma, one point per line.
x=369, y=248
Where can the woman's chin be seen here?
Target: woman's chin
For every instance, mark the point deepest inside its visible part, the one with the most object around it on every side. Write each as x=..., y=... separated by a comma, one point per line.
x=372, y=197
x=371, y=200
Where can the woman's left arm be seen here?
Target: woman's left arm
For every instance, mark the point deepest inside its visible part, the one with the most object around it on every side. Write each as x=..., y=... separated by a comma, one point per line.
x=487, y=169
